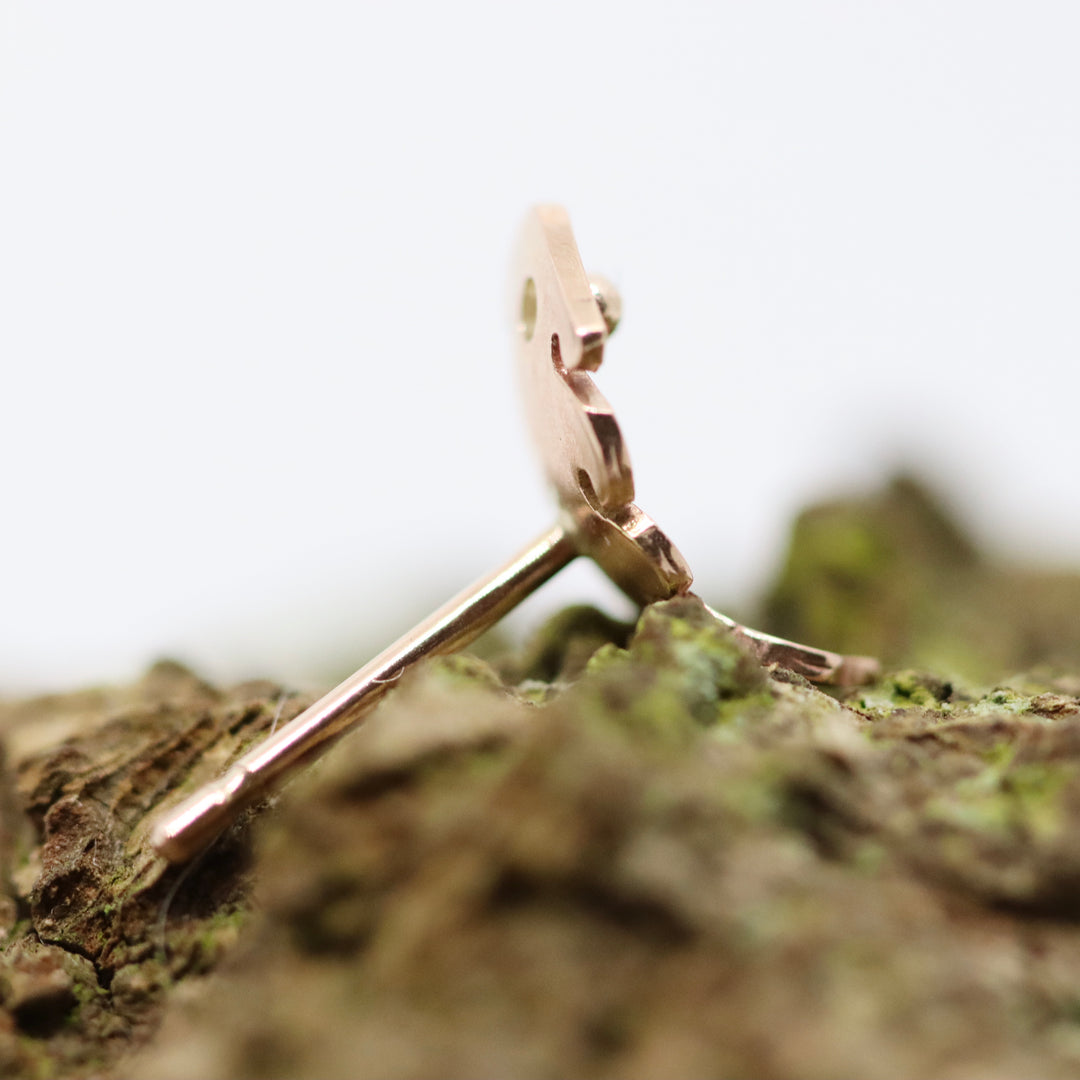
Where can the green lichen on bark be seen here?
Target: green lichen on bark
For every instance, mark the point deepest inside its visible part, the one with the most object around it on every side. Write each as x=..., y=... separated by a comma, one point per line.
x=892, y=575
x=623, y=851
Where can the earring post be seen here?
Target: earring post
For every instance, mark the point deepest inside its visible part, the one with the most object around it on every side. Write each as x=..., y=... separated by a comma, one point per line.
x=189, y=827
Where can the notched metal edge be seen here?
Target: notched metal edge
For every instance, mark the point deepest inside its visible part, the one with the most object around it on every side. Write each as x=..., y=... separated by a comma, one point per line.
x=578, y=300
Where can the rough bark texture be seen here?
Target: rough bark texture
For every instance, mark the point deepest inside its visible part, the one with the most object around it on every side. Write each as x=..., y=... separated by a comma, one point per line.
x=624, y=853
x=95, y=931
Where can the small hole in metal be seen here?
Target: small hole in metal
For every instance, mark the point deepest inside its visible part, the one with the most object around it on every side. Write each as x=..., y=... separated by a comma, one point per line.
x=528, y=309
x=587, y=489
x=556, y=355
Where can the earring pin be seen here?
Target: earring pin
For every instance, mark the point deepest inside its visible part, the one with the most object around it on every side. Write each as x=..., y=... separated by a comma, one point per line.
x=563, y=323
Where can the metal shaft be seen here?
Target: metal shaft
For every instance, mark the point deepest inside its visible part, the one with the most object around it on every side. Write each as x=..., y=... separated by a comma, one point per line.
x=189, y=827
x=818, y=665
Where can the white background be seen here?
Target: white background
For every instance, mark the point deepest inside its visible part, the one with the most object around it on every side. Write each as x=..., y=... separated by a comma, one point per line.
x=257, y=409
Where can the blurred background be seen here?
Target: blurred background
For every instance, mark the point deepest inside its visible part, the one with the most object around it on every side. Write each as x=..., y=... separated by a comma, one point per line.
x=257, y=405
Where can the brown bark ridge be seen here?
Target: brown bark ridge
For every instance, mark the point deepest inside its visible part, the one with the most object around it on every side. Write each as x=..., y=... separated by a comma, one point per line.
x=95, y=928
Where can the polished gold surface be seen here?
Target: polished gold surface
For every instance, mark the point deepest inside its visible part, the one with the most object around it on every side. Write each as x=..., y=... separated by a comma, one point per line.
x=563, y=321
x=184, y=831
x=572, y=424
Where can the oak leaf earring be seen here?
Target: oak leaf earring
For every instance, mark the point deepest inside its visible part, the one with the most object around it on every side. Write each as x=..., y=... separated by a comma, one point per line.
x=564, y=322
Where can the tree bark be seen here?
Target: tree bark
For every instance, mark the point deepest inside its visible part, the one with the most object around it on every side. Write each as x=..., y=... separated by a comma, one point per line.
x=620, y=853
